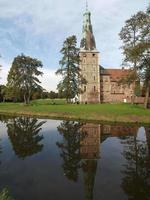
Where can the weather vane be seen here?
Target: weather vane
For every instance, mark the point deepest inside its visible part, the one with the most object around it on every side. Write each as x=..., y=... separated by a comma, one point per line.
x=86, y=5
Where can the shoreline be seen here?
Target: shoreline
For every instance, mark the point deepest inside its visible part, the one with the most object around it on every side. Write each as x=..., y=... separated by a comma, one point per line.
x=54, y=116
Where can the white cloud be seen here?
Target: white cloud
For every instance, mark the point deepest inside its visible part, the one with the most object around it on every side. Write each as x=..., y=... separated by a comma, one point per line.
x=54, y=20
x=49, y=79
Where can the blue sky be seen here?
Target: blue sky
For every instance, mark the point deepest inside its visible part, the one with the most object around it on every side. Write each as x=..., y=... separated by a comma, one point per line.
x=38, y=28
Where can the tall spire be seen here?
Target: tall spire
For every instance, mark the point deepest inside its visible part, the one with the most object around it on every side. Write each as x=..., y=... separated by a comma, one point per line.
x=88, y=40
x=86, y=5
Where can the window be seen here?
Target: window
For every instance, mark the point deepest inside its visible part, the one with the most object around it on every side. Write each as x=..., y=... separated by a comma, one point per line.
x=94, y=78
x=84, y=88
x=94, y=88
x=93, y=54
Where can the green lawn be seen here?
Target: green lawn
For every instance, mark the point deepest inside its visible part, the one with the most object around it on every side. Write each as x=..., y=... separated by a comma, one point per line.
x=92, y=112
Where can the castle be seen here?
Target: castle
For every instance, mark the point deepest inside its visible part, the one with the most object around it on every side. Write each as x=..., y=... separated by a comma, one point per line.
x=102, y=84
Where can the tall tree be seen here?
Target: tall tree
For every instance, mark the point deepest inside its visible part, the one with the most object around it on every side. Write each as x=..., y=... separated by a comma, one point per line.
x=24, y=134
x=23, y=77
x=70, y=148
x=5, y=194
x=2, y=93
x=70, y=70
x=136, y=173
x=136, y=44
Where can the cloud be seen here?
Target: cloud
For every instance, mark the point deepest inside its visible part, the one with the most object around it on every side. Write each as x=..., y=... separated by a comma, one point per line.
x=39, y=27
x=49, y=79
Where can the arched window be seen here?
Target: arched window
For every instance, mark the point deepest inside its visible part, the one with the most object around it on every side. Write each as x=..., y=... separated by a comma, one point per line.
x=84, y=88
x=94, y=88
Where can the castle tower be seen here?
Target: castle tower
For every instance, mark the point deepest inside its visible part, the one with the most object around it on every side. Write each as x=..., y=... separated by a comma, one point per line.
x=89, y=63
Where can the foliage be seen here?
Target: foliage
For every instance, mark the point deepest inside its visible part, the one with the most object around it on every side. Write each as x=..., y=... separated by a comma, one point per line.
x=70, y=147
x=53, y=95
x=71, y=78
x=136, y=180
x=2, y=92
x=136, y=44
x=4, y=195
x=24, y=135
x=23, y=77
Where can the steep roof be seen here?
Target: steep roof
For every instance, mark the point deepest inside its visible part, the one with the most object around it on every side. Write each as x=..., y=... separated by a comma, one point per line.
x=115, y=74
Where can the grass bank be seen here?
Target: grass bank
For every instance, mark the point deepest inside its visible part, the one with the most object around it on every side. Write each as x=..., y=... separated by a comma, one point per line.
x=92, y=112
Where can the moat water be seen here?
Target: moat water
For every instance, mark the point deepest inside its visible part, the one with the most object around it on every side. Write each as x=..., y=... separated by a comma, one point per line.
x=68, y=160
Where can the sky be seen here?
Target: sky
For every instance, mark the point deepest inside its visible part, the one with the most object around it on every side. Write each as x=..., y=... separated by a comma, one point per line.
x=38, y=29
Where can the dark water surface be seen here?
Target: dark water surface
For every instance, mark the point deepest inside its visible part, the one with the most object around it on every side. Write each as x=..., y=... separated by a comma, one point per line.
x=68, y=160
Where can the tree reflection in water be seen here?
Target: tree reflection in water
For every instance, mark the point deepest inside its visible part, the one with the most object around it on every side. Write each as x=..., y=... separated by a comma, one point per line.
x=136, y=181
x=0, y=149
x=89, y=168
x=24, y=135
x=70, y=147
x=74, y=158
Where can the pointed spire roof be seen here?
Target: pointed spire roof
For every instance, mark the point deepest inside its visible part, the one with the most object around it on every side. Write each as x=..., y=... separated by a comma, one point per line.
x=88, y=40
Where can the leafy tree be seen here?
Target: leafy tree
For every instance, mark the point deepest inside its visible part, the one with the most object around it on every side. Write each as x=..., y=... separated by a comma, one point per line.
x=2, y=92
x=37, y=93
x=89, y=168
x=70, y=70
x=136, y=180
x=136, y=44
x=24, y=136
x=53, y=95
x=70, y=147
x=23, y=77
x=5, y=195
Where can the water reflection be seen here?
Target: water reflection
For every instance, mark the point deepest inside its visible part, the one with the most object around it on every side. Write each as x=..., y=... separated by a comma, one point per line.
x=147, y=130
x=98, y=161
x=136, y=180
x=70, y=148
x=80, y=150
x=0, y=148
x=24, y=135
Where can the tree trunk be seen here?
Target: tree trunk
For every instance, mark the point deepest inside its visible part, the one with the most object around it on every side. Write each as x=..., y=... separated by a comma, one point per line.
x=147, y=95
x=25, y=100
x=133, y=99
x=29, y=96
x=147, y=132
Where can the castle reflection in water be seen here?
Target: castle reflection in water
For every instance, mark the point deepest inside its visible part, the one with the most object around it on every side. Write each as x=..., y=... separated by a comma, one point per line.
x=96, y=134
x=85, y=153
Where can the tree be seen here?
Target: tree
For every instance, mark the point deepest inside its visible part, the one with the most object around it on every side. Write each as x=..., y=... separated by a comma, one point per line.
x=136, y=44
x=89, y=168
x=5, y=195
x=70, y=70
x=136, y=173
x=24, y=135
x=23, y=77
x=53, y=95
x=70, y=148
x=2, y=93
